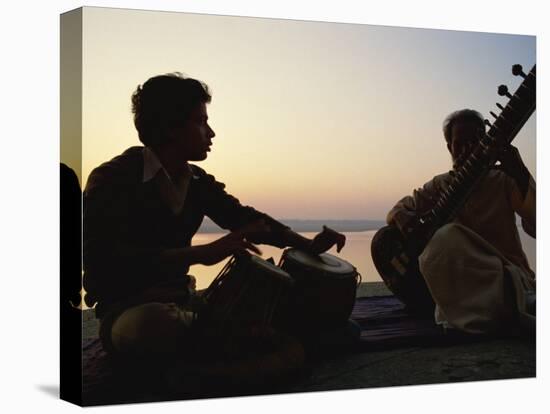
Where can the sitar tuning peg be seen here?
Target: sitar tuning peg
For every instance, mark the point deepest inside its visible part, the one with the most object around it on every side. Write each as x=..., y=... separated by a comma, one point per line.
x=499, y=106
x=493, y=114
x=503, y=91
x=487, y=123
x=518, y=70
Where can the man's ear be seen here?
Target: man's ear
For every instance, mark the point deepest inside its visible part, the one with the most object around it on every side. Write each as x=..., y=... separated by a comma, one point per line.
x=169, y=133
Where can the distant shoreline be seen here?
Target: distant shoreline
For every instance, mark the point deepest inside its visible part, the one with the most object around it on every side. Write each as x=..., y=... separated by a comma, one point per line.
x=300, y=225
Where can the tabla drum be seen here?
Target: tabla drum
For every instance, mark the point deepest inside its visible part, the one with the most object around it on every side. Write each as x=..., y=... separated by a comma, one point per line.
x=245, y=293
x=323, y=293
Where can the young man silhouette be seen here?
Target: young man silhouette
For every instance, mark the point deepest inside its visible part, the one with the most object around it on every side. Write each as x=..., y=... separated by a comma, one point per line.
x=141, y=210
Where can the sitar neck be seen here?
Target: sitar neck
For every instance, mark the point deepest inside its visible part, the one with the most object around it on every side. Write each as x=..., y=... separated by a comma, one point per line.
x=484, y=156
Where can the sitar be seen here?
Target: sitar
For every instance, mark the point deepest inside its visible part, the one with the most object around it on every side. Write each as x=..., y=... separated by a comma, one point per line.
x=395, y=254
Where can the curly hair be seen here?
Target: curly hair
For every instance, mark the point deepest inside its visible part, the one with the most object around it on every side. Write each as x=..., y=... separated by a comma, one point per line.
x=165, y=101
x=461, y=115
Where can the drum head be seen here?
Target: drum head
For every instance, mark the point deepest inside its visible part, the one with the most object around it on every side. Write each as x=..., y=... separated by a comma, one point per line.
x=325, y=262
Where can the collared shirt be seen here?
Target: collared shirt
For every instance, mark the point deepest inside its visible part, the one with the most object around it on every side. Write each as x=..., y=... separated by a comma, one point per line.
x=172, y=190
x=127, y=228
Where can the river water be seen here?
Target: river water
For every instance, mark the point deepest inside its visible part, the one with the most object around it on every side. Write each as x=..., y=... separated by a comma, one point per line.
x=356, y=252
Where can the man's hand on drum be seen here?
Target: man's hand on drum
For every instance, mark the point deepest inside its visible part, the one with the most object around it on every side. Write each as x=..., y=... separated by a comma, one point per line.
x=319, y=244
x=325, y=240
x=229, y=245
x=239, y=242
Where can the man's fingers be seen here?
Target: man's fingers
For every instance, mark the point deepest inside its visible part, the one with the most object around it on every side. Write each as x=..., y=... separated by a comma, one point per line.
x=252, y=247
x=341, y=242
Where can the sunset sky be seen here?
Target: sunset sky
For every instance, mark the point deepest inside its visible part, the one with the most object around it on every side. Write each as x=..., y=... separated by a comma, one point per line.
x=312, y=120
x=278, y=86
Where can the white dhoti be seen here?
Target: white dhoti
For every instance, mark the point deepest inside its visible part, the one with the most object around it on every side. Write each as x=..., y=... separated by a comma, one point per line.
x=475, y=288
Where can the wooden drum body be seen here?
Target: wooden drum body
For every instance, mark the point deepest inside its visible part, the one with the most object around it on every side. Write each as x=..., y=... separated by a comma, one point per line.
x=323, y=293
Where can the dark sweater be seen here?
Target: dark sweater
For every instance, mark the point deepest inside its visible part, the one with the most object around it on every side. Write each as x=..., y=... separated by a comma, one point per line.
x=127, y=226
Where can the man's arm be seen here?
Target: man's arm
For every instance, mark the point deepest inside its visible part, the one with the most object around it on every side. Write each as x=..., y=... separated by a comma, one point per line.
x=522, y=191
x=257, y=227
x=408, y=208
x=107, y=241
x=322, y=242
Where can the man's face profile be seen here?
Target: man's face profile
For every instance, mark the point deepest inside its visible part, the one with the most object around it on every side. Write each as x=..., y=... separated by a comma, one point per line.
x=464, y=136
x=194, y=138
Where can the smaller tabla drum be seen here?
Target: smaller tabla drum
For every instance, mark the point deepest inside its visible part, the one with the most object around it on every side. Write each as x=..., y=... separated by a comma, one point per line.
x=323, y=293
x=245, y=293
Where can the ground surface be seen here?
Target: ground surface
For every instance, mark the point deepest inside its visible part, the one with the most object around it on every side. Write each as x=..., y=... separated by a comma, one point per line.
x=487, y=360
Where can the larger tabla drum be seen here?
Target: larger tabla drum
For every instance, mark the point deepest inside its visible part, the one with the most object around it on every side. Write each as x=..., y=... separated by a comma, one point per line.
x=323, y=293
